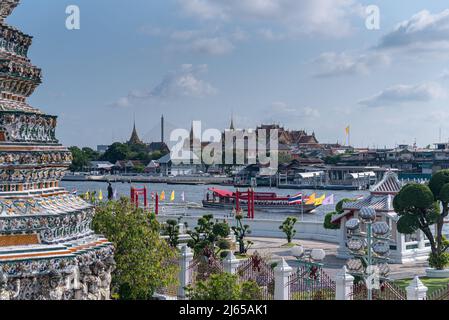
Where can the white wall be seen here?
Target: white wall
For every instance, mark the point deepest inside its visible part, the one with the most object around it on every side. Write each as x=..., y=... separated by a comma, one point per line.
x=270, y=228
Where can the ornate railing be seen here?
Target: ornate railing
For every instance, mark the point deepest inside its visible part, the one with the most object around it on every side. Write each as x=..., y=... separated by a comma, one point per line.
x=258, y=270
x=440, y=294
x=311, y=283
x=202, y=267
x=387, y=291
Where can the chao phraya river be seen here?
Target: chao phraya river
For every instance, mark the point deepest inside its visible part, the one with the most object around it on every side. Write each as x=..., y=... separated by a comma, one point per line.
x=194, y=194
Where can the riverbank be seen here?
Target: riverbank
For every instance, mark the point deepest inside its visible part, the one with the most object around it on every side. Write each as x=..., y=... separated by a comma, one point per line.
x=182, y=180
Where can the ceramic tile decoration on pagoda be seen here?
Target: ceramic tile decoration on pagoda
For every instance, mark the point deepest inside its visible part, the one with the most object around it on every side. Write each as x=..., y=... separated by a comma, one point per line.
x=47, y=248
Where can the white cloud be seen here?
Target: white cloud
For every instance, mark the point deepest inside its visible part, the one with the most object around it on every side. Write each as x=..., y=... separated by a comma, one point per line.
x=400, y=94
x=269, y=34
x=213, y=46
x=210, y=42
x=333, y=64
x=185, y=82
x=424, y=31
x=325, y=17
x=282, y=109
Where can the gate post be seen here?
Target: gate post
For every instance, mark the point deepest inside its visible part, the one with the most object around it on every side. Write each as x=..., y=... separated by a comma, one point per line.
x=344, y=285
x=184, y=275
x=282, y=273
x=231, y=263
x=416, y=290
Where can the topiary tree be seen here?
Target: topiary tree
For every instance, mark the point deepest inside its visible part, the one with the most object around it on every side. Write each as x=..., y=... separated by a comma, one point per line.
x=418, y=209
x=240, y=232
x=288, y=227
x=171, y=229
x=205, y=235
x=338, y=210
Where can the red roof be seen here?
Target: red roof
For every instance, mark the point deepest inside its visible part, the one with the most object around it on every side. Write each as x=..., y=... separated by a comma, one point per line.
x=222, y=193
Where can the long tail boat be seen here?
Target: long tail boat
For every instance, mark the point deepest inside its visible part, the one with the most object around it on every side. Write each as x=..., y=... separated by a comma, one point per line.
x=263, y=201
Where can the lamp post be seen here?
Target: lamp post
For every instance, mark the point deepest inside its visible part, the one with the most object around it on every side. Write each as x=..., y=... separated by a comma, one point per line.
x=310, y=260
x=369, y=249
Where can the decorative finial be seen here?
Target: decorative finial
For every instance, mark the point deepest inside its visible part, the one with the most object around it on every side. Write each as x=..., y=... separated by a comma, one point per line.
x=6, y=8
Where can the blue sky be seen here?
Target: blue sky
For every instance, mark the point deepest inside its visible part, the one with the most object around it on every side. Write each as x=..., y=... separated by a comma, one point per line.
x=309, y=64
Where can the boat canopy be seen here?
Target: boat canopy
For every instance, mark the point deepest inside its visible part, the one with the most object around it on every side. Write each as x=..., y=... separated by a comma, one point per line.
x=362, y=174
x=308, y=175
x=222, y=193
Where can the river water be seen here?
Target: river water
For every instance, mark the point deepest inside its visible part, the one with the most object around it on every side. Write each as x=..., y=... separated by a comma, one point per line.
x=195, y=194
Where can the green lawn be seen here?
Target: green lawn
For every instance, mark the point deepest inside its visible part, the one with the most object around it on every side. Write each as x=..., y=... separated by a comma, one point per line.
x=431, y=283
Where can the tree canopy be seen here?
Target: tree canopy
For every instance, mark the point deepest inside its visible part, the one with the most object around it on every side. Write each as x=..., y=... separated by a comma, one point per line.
x=145, y=262
x=418, y=207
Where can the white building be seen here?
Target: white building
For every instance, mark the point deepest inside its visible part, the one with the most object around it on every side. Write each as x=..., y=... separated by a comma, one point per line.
x=190, y=164
x=403, y=248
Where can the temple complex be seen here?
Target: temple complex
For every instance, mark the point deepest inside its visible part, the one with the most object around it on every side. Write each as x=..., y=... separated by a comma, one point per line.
x=47, y=248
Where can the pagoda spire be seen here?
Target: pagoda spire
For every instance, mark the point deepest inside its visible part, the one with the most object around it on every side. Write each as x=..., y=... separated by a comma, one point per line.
x=232, y=127
x=134, y=136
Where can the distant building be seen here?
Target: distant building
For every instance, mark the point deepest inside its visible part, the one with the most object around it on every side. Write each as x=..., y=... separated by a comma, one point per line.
x=404, y=248
x=101, y=167
x=153, y=167
x=170, y=167
x=102, y=148
x=158, y=146
x=128, y=166
x=135, y=140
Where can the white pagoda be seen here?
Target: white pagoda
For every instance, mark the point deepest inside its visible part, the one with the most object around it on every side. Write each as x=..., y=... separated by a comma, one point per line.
x=47, y=248
x=403, y=248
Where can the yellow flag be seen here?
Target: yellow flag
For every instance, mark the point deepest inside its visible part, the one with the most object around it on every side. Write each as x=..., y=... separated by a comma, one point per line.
x=319, y=201
x=348, y=130
x=100, y=195
x=162, y=196
x=311, y=199
x=172, y=197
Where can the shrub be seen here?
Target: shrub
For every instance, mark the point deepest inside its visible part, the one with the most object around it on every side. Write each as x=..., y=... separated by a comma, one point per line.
x=288, y=227
x=142, y=257
x=440, y=261
x=224, y=286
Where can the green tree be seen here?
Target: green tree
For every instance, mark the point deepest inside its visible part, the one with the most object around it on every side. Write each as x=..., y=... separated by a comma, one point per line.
x=117, y=152
x=80, y=159
x=332, y=160
x=91, y=154
x=139, y=168
x=240, y=232
x=171, y=229
x=144, y=260
x=418, y=208
x=338, y=210
x=288, y=227
x=206, y=234
x=224, y=286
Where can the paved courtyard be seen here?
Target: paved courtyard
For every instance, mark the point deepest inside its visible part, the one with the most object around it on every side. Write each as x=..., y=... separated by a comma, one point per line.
x=271, y=248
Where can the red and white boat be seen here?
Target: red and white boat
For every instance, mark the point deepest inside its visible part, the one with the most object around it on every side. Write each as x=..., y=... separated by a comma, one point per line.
x=263, y=201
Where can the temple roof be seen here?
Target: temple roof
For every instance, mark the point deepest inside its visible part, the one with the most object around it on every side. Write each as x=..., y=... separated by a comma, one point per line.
x=6, y=8
x=380, y=199
x=390, y=184
x=135, y=137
